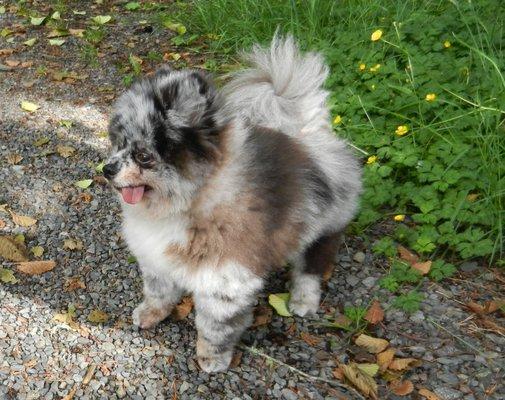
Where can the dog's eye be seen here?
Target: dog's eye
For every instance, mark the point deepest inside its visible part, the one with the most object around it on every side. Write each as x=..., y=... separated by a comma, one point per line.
x=143, y=158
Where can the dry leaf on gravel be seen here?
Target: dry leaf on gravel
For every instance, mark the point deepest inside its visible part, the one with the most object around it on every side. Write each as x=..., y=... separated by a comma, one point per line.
x=338, y=373
x=14, y=158
x=73, y=284
x=36, y=267
x=182, y=309
x=311, y=340
x=12, y=63
x=22, y=220
x=65, y=151
x=72, y=244
x=385, y=358
x=407, y=255
x=11, y=250
x=37, y=251
x=89, y=374
x=375, y=313
x=262, y=316
x=373, y=345
x=368, y=368
x=7, y=276
x=236, y=359
x=428, y=394
x=2, y=223
x=488, y=307
x=364, y=383
x=401, y=388
x=98, y=317
x=422, y=267
x=399, y=364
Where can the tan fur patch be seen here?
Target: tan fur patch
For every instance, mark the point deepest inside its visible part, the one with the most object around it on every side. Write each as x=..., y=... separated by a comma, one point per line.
x=235, y=231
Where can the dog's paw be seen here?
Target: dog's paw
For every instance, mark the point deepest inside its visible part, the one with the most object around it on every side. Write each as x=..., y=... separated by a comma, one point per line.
x=147, y=316
x=215, y=362
x=304, y=305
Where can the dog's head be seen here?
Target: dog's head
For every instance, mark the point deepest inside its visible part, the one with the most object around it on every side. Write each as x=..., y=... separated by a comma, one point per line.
x=164, y=137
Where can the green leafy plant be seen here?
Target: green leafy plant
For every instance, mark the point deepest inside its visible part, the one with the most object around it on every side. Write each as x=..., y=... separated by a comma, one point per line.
x=408, y=302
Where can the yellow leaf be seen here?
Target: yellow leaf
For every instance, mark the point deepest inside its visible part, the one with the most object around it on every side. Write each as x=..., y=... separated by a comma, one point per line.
x=363, y=382
x=37, y=251
x=7, y=276
x=28, y=106
x=385, y=358
x=65, y=151
x=72, y=244
x=371, y=344
x=10, y=250
x=97, y=317
x=279, y=301
x=36, y=267
x=376, y=35
x=22, y=220
x=369, y=369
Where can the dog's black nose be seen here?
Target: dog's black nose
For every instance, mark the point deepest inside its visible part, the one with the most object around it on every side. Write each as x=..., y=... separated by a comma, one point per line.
x=109, y=170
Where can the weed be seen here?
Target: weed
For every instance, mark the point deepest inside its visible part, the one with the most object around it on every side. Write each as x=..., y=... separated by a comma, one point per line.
x=89, y=55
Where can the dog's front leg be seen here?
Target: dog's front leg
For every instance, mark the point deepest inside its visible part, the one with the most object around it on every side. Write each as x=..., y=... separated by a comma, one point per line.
x=160, y=296
x=220, y=321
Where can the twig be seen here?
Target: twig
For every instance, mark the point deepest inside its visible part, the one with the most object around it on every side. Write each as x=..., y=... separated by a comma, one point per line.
x=456, y=336
x=257, y=352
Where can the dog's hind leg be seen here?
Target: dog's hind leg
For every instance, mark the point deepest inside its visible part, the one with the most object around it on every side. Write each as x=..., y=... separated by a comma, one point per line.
x=309, y=267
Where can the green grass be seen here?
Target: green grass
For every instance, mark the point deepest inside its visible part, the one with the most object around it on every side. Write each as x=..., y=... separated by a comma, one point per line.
x=446, y=174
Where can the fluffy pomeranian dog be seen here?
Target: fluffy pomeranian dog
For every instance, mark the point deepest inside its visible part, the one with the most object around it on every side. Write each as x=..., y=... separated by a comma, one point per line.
x=219, y=187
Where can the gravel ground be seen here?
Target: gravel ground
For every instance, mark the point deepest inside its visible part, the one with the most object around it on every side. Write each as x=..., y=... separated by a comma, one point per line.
x=41, y=357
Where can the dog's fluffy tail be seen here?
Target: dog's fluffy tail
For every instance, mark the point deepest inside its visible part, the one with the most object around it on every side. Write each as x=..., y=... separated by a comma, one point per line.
x=282, y=89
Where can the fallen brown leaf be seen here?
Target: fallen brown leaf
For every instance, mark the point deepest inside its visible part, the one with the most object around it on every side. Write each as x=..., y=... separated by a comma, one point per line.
x=428, y=394
x=373, y=345
x=236, y=359
x=488, y=307
x=311, y=340
x=98, y=317
x=399, y=364
x=401, y=388
x=6, y=52
x=22, y=220
x=70, y=395
x=36, y=267
x=364, y=383
x=11, y=250
x=2, y=223
x=375, y=313
x=73, y=284
x=72, y=244
x=262, y=316
x=385, y=358
x=14, y=158
x=12, y=63
x=422, y=267
x=85, y=197
x=407, y=255
x=338, y=373
x=182, y=309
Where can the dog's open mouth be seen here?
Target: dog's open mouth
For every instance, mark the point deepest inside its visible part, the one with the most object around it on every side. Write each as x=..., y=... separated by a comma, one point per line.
x=133, y=194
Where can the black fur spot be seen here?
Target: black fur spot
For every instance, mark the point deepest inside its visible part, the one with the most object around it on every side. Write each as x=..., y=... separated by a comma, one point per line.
x=203, y=85
x=169, y=94
x=320, y=186
x=320, y=255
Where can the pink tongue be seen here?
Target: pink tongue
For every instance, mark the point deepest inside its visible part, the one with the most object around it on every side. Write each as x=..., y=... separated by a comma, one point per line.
x=132, y=195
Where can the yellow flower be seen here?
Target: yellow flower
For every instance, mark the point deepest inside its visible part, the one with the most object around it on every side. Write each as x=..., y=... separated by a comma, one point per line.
x=430, y=97
x=375, y=67
x=376, y=35
x=399, y=218
x=337, y=120
x=447, y=44
x=402, y=130
x=371, y=159
x=362, y=67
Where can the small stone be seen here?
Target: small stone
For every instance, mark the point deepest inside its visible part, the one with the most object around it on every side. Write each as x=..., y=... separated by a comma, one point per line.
x=417, y=317
x=289, y=394
x=468, y=266
x=352, y=280
x=451, y=379
x=359, y=257
x=447, y=393
x=369, y=282
x=184, y=386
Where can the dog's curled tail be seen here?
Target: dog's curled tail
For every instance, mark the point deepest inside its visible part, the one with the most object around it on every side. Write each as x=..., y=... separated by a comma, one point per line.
x=282, y=89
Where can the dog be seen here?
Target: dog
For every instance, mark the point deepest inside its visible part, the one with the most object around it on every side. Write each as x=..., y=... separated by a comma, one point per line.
x=220, y=186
